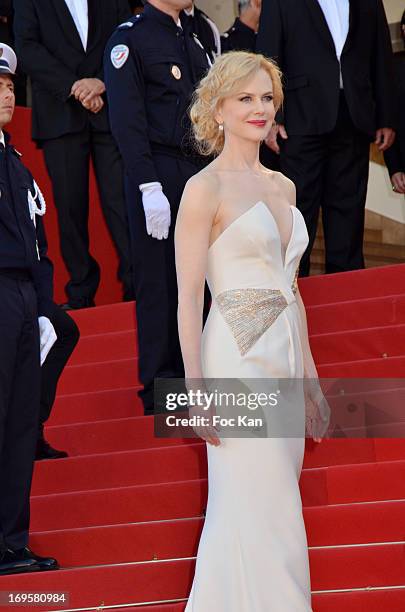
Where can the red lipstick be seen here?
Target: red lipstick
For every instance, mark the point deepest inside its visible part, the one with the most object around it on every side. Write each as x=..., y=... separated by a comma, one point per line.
x=258, y=122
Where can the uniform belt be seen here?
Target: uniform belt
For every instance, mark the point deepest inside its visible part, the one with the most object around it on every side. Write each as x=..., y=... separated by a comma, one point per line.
x=16, y=274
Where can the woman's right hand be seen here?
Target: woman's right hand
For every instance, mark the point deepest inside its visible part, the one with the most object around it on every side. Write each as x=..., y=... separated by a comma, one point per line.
x=208, y=431
x=317, y=410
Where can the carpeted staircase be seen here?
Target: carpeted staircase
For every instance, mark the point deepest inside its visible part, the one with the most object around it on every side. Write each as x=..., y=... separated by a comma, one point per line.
x=123, y=513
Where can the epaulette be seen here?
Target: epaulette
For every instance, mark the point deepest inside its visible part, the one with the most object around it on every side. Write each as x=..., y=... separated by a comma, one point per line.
x=131, y=22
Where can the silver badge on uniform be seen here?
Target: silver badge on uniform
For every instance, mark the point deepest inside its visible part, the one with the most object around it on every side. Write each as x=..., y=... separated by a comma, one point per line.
x=176, y=72
x=119, y=55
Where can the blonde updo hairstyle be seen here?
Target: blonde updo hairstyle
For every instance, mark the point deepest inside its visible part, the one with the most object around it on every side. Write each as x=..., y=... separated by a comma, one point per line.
x=227, y=74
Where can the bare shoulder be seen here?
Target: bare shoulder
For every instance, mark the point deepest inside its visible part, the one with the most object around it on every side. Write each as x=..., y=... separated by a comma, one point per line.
x=201, y=192
x=286, y=186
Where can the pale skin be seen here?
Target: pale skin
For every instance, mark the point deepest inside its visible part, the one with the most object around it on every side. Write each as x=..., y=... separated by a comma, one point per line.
x=88, y=92
x=398, y=181
x=213, y=199
x=250, y=15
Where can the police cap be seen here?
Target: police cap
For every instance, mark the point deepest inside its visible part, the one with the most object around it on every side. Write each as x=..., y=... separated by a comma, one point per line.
x=8, y=60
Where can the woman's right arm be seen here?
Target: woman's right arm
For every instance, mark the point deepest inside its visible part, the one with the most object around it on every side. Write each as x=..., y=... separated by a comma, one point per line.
x=192, y=235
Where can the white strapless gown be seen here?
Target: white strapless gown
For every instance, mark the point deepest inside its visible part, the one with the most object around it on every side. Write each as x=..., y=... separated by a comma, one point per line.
x=253, y=552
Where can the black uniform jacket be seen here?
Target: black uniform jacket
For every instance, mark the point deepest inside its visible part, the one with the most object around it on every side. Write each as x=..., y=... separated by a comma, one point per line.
x=22, y=245
x=151, y=68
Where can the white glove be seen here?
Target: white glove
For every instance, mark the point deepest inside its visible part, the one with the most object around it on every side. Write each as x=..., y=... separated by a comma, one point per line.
x=47, y=337
x=157, y=210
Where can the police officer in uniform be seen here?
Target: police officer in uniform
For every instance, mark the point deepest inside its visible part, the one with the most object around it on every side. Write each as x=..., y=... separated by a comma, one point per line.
x=26, y=335
x=152, y=65
x=241, y=35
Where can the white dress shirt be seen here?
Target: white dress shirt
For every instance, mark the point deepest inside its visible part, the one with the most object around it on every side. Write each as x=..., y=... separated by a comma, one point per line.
x=337, y=17
x=80, y=14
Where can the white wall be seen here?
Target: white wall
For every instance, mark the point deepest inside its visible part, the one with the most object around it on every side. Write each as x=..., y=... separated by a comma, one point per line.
x=221, y=11
x=380, y=197
x=394, y=10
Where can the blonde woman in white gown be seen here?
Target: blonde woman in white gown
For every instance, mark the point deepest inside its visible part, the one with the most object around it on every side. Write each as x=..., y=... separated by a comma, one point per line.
x=238, y=227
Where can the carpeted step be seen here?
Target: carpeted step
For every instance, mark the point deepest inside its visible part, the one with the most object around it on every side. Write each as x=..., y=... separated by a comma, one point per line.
x=392, y=600
x=385, y=367
x=356, y=285
x=319, y=486
x=105, y=346
x=337, y=568
x=127, y=434
x=110, y=436
x=355, y=314
x=365, y=343
x=372, y=600
x=360, y=344
x=127, y=505
x=96, y=406
x=109, y=375
x=127, y=468
x=325, y=526
x=105, y=319
x=99, y=376
x=143, y=503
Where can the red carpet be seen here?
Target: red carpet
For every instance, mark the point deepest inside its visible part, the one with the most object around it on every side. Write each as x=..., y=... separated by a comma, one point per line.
x=123, y=513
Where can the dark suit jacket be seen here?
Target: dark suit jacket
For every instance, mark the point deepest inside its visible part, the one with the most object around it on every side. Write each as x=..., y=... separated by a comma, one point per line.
x=297, y=36
x=395, y=155
x=50, y=51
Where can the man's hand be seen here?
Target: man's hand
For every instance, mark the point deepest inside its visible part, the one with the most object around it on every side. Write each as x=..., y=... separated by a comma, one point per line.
x=157, y=211
x=94, y=105
x=47, y=337
x=398, y=182
x=250, y=15
x=384, y=138
x=271, y=140
x=85, y=90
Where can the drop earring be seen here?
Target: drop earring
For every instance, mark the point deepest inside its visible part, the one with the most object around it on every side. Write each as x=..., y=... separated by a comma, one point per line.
x=221, y=127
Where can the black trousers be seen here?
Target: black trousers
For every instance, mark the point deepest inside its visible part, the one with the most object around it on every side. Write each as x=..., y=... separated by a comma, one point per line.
x=330, y=172
x=68, y=162
x=68, y=336
x=19, y=406
x=156, y=281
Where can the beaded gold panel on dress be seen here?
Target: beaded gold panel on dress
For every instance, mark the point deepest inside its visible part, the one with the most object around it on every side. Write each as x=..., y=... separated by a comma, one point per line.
x=294, y=285
x=250, y=312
